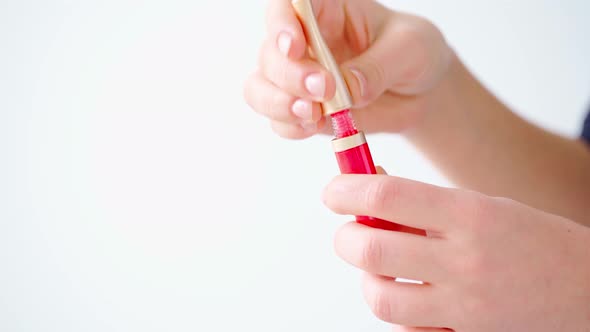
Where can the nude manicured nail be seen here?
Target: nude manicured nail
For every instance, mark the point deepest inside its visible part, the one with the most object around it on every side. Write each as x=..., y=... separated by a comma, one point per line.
x=302, y=109
x=316, y=85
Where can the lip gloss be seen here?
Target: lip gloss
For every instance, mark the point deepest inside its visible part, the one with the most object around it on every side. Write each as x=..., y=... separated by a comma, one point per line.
x=354, y=157
x=350, y=145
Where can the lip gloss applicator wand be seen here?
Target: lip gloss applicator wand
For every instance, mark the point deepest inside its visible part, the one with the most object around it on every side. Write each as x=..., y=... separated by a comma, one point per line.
x=350, y=145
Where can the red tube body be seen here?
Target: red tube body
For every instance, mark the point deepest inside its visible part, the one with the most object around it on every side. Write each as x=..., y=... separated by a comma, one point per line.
x=358, y=160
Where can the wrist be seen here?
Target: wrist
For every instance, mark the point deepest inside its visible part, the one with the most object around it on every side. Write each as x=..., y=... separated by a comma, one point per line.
x=441, y=105
x=460, y=119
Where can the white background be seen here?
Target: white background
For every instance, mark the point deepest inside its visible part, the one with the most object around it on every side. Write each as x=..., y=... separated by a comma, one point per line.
x=139, y=193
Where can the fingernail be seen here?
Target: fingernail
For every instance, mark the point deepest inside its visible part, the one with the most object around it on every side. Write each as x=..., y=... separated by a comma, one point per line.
x=303, y=109
x=361, y=79
x=316, y=85
x=284, y=43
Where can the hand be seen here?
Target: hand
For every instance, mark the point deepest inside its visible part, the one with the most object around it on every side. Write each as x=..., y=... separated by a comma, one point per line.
x=390, y=60
x=488, y=264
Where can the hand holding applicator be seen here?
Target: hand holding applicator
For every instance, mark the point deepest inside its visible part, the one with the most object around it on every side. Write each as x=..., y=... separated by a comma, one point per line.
x=351, y=148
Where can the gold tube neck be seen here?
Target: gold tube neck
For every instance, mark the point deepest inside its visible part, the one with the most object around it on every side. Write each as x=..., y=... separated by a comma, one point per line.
x=342, y=99
x=350, y=142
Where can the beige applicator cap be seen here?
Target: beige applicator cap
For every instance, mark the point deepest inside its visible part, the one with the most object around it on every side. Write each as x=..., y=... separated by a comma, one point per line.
x=323, y=55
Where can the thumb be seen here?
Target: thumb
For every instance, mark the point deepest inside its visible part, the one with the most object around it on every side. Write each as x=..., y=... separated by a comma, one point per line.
x=372, y=72
x=409, y=56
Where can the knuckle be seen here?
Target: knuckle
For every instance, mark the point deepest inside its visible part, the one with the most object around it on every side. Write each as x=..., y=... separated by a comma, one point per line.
x=279, y=129
x=274, y=67
x=472, y=266
x=423, y=26
x=275, y=107
x=410, y=34
x=474, y=305
x=457, y=208
x=416, y=31
x=478, y=211
x=284, y=73
x=378, y=76
x=415, y=38
x=379, y=194
x=399, y=312
x=380, y=304
x=292, y=77
x=287, y=72
x=465, y=208
x=372, y=253
x=479, y=206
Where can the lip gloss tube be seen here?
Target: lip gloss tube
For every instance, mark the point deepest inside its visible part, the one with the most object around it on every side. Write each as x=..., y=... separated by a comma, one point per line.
x=354, y=157
x=350, y=145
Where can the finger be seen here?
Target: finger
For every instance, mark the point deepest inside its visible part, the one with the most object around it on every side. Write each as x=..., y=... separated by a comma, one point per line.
x=297, y=131
x=285, y=29
x=399, y=328
x=392, y=254
x=268, y=100
x=404, y=303
x=408, y=56
x=304, y=78
x=402, y=201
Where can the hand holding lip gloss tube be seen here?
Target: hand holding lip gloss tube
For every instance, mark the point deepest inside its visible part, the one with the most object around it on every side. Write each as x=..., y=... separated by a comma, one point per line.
x=351, y=148
x=354, y=157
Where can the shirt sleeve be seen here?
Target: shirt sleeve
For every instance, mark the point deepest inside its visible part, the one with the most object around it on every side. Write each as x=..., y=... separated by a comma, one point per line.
x=586, y=129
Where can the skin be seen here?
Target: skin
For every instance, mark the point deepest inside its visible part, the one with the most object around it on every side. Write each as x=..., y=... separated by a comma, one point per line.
x=489, y=264
x=495, y=257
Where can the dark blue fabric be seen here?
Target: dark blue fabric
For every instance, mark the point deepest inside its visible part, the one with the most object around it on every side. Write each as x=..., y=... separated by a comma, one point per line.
x=586, y=130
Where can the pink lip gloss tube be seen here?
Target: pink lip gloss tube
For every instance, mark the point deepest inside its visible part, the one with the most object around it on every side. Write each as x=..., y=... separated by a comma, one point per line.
x=350, y=146
x=354, y=157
